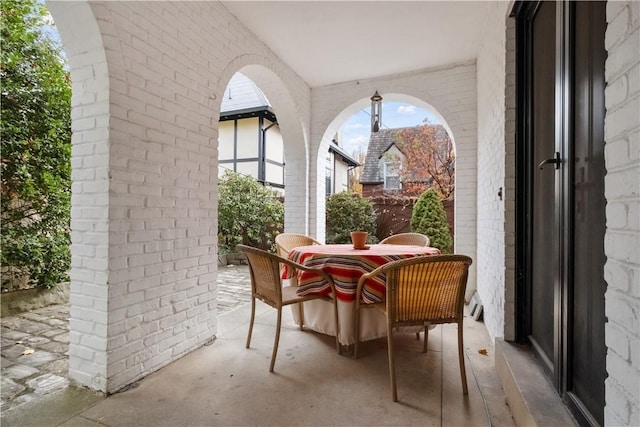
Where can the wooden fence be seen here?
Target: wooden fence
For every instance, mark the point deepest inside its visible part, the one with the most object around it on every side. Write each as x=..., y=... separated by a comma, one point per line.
x=394, y=214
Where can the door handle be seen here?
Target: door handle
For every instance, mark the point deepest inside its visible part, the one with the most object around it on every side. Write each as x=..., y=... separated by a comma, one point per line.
x=555, y=160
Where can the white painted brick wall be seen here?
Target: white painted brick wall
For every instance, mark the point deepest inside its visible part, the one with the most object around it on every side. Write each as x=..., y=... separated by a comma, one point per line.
x=144, y=195
x=90, y=196
x=449, y=92
x=494, y=153
x=622, y=190
x=144, y=209
x=622, y=241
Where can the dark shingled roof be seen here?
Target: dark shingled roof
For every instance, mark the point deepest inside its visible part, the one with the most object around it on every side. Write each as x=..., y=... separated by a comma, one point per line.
x=379, y=143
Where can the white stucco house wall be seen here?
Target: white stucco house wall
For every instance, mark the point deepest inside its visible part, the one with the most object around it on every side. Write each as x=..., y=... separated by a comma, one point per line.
x=250, y=141
x=249, y=138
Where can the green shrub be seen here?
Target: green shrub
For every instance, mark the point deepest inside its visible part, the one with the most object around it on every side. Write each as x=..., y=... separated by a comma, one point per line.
x=35, y=129
x=429, y=218
x=347, y=212
x=248, y=213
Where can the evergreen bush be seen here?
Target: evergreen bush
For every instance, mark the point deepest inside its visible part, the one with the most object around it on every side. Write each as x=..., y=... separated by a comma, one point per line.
x=347, y=212
x=429, y=218
x=35, y=130
x=248, y=213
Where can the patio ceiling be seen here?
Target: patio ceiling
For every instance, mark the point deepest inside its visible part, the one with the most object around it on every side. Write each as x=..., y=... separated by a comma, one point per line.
x=327, y=42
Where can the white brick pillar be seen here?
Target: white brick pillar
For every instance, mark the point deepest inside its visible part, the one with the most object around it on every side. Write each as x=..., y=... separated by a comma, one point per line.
x=90, y=192
x=146, y=83
x=495, y=155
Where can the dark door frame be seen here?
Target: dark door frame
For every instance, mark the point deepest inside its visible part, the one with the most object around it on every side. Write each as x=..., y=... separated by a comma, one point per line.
x=524, y=12
x=558, y=368
x=522, y=178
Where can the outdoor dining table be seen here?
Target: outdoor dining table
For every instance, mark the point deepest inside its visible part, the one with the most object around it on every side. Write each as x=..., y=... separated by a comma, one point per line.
x=346, y=265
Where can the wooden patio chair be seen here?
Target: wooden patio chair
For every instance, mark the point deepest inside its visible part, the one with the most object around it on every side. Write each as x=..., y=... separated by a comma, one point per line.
x=287, y=241
x=420, y=291
x=415, y=239
x=266, y=285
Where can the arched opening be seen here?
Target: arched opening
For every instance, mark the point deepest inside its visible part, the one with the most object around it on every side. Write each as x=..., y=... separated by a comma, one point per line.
x=293, y=132
x=279, y=153
x=249, y=137
x=402, y=160
x=35, y=200
x=144, y=208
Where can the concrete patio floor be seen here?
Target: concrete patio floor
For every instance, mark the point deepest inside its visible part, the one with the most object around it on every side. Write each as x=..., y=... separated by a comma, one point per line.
x=226, y=384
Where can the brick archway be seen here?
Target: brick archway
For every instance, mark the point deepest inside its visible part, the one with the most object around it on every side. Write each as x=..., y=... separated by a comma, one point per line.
x=144, y=217
x=450, y=93
x=293, y=123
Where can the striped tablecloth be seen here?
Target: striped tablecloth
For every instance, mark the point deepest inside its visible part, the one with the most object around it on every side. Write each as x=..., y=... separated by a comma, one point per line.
x=346, y=265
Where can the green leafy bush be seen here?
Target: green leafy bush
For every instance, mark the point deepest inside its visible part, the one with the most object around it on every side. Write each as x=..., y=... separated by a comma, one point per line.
x=248, y=213
x=429, y=218
x=347, y=212
x=35, y=129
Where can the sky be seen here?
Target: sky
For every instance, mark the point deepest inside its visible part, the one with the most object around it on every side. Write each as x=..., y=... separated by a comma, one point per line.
x=356, y=130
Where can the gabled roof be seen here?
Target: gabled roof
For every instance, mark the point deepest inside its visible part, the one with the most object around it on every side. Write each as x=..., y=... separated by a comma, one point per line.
x=379, y=143
x=350, y=161
x=243, y=97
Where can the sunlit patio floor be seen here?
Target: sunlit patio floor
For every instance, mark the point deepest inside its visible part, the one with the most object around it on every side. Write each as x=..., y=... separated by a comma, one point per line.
x=226, y=384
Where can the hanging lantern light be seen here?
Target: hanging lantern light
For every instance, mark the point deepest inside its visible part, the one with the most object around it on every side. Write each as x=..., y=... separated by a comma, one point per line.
x=376, y=112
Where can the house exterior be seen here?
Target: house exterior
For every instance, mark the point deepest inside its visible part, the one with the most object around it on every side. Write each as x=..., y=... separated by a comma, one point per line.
x=249, y=138
x=382, y=165
x=250, y=141
x=386, y=169
x=147, y=84
x=393, y=182
x=339, y=169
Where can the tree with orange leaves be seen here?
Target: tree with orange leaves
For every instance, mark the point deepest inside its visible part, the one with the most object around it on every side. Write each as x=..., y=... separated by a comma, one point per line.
x=429, y=160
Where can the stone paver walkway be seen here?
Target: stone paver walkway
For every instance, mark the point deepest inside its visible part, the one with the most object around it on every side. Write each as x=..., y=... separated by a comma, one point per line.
x=35, y=344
